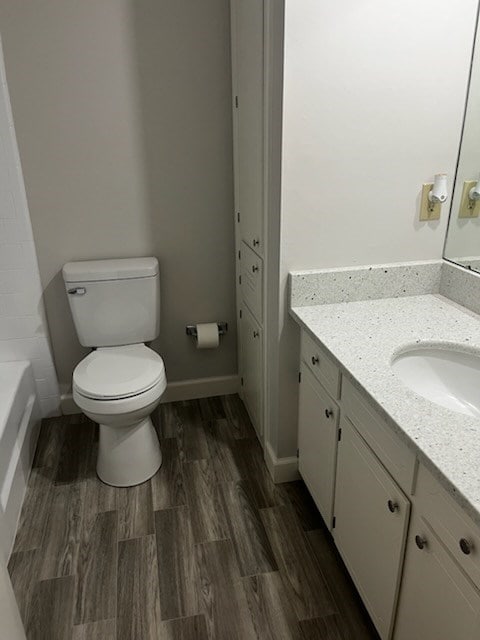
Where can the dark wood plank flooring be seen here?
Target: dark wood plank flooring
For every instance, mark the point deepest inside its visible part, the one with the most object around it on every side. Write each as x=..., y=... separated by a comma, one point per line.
x=208, y=549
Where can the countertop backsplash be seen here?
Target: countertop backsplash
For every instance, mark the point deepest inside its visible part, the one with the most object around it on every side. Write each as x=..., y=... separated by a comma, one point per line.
x=397, y=280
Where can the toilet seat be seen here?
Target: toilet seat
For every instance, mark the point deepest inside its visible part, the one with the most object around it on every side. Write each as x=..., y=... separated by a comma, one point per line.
x=116, y=373
x=119, y=406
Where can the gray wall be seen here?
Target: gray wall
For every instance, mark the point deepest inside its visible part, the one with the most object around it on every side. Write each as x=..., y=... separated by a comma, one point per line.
x=123, y=116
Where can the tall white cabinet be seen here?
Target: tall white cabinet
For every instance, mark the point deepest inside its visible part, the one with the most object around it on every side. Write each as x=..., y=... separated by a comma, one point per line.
x=248, y=85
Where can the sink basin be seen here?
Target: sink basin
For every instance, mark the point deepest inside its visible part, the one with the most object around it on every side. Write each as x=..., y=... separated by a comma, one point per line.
x=448, y=377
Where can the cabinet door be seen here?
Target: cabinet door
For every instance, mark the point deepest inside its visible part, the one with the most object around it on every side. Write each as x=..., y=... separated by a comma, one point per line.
x=437, y=600
x=371, y=519
x=317, y=442
x=247, y=66
x=252, y=358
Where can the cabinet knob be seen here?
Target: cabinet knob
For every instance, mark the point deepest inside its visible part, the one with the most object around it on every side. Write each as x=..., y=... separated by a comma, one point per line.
x=255, y=334
x=392, y=506
x=254, y=268
x=420, y=542
x=465, y=546
x=315, y=360
x=256, y=242
x=328, y=413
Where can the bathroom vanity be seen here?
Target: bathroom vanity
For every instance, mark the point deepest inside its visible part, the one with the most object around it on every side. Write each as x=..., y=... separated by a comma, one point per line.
x=395, y=476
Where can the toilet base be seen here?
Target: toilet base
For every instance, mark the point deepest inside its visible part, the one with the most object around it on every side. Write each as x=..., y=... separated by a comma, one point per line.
x=128, y=455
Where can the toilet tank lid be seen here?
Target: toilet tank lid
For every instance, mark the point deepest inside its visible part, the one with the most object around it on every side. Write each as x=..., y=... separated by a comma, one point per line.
x=119, y=269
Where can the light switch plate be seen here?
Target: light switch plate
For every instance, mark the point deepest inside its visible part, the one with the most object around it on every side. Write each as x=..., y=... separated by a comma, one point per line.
x=425, y=205
x=466, y=211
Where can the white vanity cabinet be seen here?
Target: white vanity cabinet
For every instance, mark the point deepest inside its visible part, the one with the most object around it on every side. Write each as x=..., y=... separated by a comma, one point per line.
x=418, y=577
x=317, y=441
x=371, y=520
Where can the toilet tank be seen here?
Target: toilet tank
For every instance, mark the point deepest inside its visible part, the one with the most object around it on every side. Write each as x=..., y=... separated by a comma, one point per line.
x=114, y=302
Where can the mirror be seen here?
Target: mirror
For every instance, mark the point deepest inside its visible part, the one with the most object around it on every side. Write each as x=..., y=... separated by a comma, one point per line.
x=462, y=244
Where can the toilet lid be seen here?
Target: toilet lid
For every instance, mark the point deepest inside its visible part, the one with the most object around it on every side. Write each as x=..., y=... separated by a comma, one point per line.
x=118, y=372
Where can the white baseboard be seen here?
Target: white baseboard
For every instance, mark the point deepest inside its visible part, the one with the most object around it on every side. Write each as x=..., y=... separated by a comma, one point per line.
x=185, y=390
x=281, y=469
x=201, y=388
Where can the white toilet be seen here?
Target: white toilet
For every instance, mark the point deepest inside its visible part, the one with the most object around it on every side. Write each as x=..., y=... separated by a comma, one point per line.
x=115, y=307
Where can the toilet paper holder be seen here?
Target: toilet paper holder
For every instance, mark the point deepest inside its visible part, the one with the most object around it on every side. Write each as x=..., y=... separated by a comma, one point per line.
x=191, y=329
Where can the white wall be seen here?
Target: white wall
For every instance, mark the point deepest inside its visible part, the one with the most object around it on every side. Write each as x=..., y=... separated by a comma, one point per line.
x=373, y=103
x=123, y=115
x=23, y=328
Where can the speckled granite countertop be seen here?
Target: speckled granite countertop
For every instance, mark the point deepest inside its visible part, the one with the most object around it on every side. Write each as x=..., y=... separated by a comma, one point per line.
x=363, y=336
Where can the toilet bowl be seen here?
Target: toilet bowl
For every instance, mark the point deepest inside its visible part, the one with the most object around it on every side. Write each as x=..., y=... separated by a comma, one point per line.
x=119, y=387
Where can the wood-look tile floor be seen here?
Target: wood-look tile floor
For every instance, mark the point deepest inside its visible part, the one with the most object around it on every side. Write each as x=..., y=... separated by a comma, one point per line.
x=208, y=549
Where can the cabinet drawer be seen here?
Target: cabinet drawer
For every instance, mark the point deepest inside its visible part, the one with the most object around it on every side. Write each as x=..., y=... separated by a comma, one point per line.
x=392, y=452
x=451, y=524
x=321, y=365
x=252, y=281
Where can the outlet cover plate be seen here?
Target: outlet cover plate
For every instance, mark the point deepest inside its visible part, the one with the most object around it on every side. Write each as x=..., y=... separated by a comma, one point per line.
x=467, y=211
x=425, y=205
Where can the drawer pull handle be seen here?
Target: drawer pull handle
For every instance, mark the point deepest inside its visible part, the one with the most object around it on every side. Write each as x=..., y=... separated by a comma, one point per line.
x=254, y=268
x=315, y=360
x=256, y=242
x=328, y=413
x=255, y=334
x=392, y=506
x=465, y=546
x=420, y=542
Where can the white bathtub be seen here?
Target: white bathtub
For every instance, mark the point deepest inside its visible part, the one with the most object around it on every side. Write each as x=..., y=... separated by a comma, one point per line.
x=19, y=427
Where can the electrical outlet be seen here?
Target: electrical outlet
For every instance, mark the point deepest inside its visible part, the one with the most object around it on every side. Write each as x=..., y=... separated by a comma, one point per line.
x=428, y=211
x=468, y=208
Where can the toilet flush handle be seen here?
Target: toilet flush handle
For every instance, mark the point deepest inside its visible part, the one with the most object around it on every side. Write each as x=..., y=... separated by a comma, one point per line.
x=78, y=291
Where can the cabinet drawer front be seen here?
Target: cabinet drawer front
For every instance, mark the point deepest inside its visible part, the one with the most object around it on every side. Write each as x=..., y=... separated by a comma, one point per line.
x=437, y=600
x=252, y=281
x=317, y=442
x=321, y=365
x=392, y=452
x=371, y=519
x=450, y=523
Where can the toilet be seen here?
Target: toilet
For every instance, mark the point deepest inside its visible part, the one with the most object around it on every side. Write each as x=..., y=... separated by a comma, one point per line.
x=115, y=306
